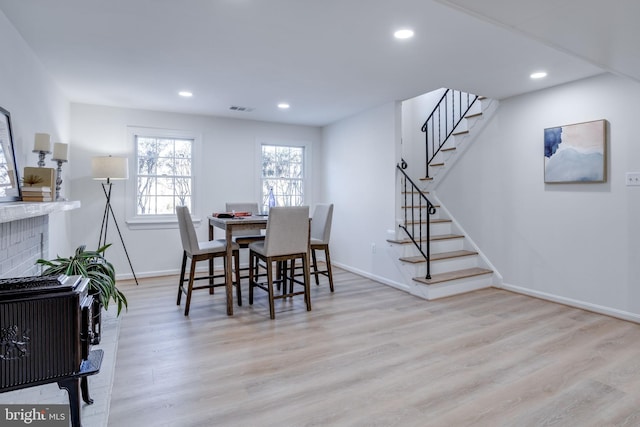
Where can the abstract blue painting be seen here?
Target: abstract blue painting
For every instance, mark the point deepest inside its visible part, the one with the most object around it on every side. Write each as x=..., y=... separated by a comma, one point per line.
x=576, y=153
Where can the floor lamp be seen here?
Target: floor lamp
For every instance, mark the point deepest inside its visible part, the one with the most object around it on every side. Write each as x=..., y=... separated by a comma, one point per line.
x=109, y=169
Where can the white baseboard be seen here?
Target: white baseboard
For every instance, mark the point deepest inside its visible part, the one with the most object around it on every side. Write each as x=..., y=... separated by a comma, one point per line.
x=383, y=280
x=608, y=311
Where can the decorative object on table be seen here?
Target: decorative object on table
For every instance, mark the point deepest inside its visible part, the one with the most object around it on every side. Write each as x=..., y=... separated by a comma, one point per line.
x=36, y=194
x=109, y=168
x=9, y=180
x=576, y=153
x=39, y=177
x=59, y=156
x=42, y=146
x=271, y=200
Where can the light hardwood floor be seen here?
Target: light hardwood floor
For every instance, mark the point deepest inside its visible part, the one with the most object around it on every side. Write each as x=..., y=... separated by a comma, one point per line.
x=370, y=355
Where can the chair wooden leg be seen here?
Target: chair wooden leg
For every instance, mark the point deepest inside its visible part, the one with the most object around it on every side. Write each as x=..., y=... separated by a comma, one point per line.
x=211, y=290
x=315, y=265
x=236, y=257
x=327, y=258
x=307, y=281
x=272, y=309
x=192, y=274
x=182, y=269
x=251, y=278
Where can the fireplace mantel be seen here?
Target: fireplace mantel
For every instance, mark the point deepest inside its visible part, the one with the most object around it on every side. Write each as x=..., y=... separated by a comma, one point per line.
x=20, y=210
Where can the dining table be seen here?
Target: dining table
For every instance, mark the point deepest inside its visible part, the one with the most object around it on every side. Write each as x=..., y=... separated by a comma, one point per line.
x=229, y=224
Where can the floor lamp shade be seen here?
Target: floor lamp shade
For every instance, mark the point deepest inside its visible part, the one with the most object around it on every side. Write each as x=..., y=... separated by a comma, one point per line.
x=110, y=168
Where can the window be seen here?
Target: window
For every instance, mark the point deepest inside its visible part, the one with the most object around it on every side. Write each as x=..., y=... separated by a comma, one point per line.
x=164, y=177
x=283, y=171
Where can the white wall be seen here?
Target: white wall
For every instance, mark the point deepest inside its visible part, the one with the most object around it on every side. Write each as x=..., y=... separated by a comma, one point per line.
x=229, y=172
x=575, y=243
x=36, y=104
x=415, y=112
x=359, y=158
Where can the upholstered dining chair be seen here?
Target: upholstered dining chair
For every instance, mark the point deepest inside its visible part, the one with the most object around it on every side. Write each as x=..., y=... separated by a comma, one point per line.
x=201, y=251
x=287, y=239
x=244, y=237
x=320, y=234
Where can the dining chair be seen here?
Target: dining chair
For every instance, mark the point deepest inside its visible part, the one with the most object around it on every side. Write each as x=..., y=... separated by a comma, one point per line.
x=244, y=237
x=320, y=234
x=287, y=239
x=201, y=251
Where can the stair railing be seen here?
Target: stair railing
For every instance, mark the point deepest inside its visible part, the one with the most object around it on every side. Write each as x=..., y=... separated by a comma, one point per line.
x=443, y=121
x=417, y=208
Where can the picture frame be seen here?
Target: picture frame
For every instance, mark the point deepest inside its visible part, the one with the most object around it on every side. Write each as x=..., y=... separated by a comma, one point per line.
x=9, y=176
x=576, y=153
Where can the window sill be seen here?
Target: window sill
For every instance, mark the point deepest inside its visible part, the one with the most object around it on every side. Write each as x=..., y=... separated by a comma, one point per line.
x=156, y=223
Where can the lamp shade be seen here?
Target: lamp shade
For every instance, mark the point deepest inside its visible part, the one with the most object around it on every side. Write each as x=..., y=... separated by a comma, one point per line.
x=108, y=167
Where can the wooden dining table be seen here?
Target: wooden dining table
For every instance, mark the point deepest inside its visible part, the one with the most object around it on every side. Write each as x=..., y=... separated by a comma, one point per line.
x=229, y=225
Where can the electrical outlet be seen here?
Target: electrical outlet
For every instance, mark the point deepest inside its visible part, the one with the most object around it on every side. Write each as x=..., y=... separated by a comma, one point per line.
x=632, y=179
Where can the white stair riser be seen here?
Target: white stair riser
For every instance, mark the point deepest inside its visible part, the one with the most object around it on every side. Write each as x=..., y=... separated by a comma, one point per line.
x=437, y=228
x=448, y=265
x=453, y=287
x=447, y=245
x=437, y=246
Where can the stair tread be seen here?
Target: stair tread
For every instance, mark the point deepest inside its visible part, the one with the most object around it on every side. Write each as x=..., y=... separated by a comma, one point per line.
x=469, y=116
x=436, y=237
x=453, y=275
x=436, y=164
x=439, y=256
x=449, y=149
x=428, y=178
x=460, y=132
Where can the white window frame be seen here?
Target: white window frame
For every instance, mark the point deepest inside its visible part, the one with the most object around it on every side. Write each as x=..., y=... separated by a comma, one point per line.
x=308, y=156
x=135, y=221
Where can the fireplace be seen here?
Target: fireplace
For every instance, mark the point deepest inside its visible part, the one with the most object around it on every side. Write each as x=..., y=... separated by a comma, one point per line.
x=45, y=336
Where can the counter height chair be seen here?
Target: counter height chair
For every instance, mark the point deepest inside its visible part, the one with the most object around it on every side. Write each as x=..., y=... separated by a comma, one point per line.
x=287, y=239
x=320, y=234
x=201, y=251
x=244, y=237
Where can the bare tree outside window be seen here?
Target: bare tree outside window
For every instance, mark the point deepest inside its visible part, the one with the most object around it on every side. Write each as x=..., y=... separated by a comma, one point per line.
x=283, y=171
x=164, y=174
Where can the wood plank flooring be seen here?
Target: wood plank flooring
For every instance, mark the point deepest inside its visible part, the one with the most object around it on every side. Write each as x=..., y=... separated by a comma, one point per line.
x=370, y=355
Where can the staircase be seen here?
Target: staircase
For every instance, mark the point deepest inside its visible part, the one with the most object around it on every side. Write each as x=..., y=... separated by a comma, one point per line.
x=435, y=252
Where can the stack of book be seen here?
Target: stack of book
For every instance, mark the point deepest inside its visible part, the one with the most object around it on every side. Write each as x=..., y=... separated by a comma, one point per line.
x=36, y=194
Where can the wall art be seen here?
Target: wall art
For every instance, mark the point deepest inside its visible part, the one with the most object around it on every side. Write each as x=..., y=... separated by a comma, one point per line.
x=576, y=153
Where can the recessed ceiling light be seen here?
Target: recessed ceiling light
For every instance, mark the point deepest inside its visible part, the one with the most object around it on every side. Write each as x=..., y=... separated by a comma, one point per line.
x=403, y=34
x=538, y=75
x=185, y=93
x=283, y=106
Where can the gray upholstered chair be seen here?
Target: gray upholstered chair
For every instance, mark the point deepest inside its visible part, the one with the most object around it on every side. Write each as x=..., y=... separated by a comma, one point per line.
x=201, y=251
x=244, y=237
x=287, y=239
x=320, y=234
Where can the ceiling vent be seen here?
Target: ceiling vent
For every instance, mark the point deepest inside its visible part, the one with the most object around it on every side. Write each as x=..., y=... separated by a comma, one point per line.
x=243, y=109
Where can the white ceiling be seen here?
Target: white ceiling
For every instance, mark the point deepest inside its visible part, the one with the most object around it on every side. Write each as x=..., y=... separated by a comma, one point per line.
x=329, y=59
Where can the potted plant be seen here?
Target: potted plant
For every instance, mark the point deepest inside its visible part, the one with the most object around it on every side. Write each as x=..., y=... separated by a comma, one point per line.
x=94, y=266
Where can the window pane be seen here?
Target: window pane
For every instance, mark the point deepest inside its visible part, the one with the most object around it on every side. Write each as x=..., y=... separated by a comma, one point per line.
x=283, y=171
x=164, y=175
